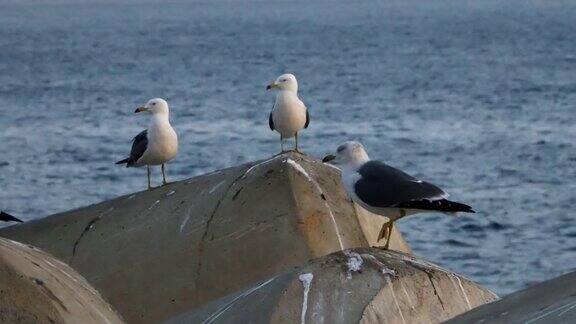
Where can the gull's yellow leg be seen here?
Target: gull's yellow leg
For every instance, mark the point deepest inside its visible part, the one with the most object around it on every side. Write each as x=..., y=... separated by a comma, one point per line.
x=164, y=176
x=390, y=227
x=296, y=139
x=149, y=186
x=386, y=232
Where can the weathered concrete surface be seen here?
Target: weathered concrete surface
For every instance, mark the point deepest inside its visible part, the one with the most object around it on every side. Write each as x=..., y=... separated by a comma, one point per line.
x=37, y=288
x=162, y=252
x=363, y=285
x=553, y=301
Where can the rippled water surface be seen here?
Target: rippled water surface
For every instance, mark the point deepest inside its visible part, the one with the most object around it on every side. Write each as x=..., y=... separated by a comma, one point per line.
x=479, y=98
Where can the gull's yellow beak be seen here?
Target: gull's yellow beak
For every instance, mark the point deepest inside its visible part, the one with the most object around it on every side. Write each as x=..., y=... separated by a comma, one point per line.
x=272, y=86
x=328, y=158
x=140, y=109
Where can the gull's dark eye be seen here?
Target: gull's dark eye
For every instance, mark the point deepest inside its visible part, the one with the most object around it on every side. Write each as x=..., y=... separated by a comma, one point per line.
x=153, y=104
x=340, y=148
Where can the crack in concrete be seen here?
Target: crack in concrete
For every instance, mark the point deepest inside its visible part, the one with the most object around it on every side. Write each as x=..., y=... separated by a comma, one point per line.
x=206, y=229
x=434, y=287
x=213, y=214
x=88, y=226
x=211, y=218
x=86, y=229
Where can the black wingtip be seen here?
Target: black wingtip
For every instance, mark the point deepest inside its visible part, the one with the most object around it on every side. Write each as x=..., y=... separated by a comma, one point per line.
x=464, y=208
x=460, y=207
x=122, y=161
x=441, y=205
x=9, y=218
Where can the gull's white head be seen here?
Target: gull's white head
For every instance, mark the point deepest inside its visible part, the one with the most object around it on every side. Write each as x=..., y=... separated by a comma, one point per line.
x=284, y=82
x=155, y=106
x=349, y=154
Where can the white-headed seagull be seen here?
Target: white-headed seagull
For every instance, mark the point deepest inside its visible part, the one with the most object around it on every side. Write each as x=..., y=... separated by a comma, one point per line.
x=387, y=191
x=156, y=145
x=289, y=114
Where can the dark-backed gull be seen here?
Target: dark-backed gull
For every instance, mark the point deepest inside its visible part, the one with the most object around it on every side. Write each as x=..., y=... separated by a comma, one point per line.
x=387, y=191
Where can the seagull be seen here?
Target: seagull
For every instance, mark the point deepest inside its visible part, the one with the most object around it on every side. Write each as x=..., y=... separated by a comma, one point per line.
x=387, y=191
x=156, y=145
x=289, y=114
x=5, y=217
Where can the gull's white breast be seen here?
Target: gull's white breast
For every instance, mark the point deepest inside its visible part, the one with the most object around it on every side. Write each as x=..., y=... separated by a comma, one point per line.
x=162, y=144
x=289, y=114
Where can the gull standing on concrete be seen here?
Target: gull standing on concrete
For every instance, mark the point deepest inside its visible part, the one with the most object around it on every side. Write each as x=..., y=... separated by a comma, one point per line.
x=156, y=145
x=289, y=114
x=384, y=190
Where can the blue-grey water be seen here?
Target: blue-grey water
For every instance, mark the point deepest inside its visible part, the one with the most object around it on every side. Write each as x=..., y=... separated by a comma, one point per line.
x=476, y=96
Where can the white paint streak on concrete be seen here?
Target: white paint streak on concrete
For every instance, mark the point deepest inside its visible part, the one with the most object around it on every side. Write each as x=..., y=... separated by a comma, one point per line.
x=463, y=292
x=226, y=307
x=70, y=276
x=212, y=173
x=335, y=226
x=183, y=224
x=190, y=181
x=306, y=279
x=573, y=305
x=389, y=281
x=383, y=268
x=552, y=311
x=419, y=262
x=217, y=186
x=257, y=165
x=332, y=166
x=493, y=294
x=302, y=171
x=154, y=204
x=407, y=295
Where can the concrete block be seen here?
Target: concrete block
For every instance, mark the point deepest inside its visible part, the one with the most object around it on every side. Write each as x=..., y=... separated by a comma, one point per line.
x=157, y=253
x=37, y=288
x=363, y=285
x=552, y=301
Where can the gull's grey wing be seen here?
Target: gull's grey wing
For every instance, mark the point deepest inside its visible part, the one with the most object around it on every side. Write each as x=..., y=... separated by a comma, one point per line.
x=271, y=121
x=139, y=145
x=383, y=186
x=271, y=117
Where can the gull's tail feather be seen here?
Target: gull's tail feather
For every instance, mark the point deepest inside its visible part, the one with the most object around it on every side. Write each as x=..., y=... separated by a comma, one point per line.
x=9, y=218
x=123, y=161
x=441, y=205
